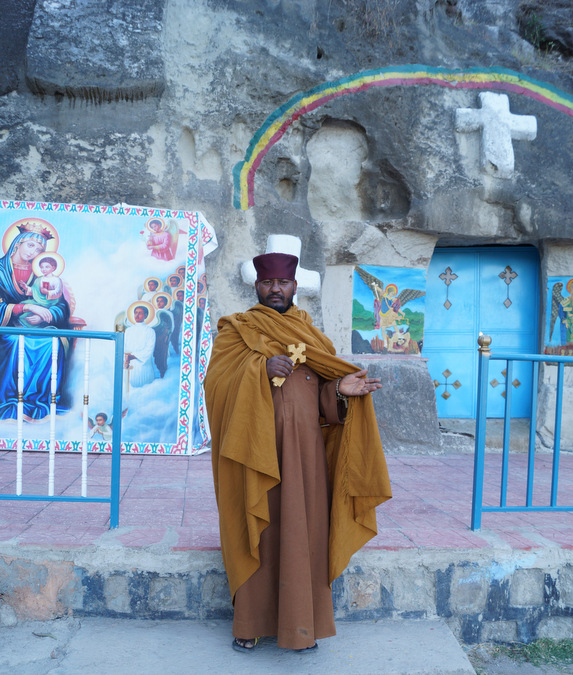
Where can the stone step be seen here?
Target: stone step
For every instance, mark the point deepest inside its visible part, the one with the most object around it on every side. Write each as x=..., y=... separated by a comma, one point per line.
x=99, y=646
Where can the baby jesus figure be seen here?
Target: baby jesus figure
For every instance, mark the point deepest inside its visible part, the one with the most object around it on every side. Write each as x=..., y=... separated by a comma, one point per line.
x=45, y=291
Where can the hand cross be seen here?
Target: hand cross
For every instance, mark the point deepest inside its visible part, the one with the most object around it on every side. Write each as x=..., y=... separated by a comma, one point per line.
x=296, y=354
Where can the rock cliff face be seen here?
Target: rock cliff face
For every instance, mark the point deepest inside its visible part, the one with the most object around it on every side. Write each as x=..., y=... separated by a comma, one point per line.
x=155, y=102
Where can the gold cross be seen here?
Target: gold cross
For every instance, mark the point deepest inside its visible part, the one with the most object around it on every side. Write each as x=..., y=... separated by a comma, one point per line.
x=296, y=354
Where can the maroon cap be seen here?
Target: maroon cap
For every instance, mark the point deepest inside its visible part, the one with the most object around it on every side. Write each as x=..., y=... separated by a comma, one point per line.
x=275, y=266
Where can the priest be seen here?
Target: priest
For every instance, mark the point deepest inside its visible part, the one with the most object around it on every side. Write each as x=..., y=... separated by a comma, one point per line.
x=297, y=463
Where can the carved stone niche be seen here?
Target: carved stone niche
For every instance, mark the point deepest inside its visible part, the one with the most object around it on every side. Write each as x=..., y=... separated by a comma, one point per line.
x=348, y=180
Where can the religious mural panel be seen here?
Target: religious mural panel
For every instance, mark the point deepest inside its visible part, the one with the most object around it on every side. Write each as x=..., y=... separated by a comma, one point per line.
x=559, y=324
x=388, y=310
x=96, y=268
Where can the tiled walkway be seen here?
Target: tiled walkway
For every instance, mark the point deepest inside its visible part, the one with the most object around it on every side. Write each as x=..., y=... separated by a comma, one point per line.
x=169, y=501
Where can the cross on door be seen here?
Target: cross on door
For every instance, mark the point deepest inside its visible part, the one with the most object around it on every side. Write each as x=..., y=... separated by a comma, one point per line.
x=508, y=275
x=495, y=383
x=456, y=385
x=447, y=276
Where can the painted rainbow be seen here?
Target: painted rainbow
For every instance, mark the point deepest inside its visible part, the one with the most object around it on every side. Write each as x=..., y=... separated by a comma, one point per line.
x=273, y=128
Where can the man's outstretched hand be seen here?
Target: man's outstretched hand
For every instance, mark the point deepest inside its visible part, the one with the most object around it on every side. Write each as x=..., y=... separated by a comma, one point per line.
x=355, y=384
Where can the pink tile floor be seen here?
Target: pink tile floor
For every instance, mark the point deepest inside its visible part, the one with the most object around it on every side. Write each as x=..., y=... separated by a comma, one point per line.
x=170, y=501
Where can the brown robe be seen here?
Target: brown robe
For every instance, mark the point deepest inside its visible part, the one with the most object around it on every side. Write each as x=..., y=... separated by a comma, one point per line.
x=241, y=409
x=289, y=595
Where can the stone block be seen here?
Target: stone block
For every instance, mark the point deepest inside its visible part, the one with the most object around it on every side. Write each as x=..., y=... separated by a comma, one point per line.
x=7, y=616
x=527, y=588
x=363, y=591
x=566, y=586
x=556, y=628
x=546, y=416
x=455, y=626
x=72, y=594
x=72, y=51
x=215, y=592
x=406, y=405
x=167, y=594
x=557, y=258
x=20, y=573
x=337, y=306
x=413, y=591
x=499, y=631
x=116, y=592
x=468, y=591
x=14, y=28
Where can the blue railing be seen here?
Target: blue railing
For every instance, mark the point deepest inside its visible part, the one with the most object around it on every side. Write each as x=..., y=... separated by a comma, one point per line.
x=485, y=356
x=117, y=384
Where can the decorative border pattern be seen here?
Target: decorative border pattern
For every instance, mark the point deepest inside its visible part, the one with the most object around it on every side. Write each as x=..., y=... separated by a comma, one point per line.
x=201, y=241
x=276, y=124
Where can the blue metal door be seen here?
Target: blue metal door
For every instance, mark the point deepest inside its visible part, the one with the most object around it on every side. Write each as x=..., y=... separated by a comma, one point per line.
x=492, y=290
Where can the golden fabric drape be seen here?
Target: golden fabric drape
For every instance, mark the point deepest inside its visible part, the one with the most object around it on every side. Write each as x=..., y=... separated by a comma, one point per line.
x=245, y=467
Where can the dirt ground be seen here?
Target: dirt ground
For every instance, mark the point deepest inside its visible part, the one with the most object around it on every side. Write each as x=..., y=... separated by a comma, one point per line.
x=488, y=659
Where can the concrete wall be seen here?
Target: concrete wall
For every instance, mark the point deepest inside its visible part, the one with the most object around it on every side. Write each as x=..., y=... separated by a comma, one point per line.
x=495, y=596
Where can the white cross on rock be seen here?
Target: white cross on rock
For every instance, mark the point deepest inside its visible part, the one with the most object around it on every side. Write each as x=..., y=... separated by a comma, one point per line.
x=308, y=281
x=499, y=128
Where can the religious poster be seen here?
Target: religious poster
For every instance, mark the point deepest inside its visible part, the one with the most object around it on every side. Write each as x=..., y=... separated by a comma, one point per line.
x=104, y=268
x=559, y=322
x=388, y=310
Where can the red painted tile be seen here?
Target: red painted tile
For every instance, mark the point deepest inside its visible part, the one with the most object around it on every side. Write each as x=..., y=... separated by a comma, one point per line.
x=390, y=540
x=140, y=537
x=517, y=540
x=431, y=507
x=444, y=538
x=561, y=536
x=60, y=537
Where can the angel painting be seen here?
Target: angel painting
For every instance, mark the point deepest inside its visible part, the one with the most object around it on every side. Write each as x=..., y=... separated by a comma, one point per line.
x=562, y=309
x=389, y=317
x=162, y=239
x=101, y=430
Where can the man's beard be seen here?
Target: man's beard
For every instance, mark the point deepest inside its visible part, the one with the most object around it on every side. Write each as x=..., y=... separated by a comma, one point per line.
x=280, y=310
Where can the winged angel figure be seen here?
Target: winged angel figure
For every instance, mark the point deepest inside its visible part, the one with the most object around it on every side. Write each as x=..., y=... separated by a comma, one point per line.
x=102, y=430
x=562, y=307
x=388, y=304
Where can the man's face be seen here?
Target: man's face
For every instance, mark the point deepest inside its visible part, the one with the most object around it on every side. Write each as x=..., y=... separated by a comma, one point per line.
x=152, y=285
x=139, y=314
x=174, y=281
x=161, y=302
x=276, y=293
x=179, y=296
x=100, y=420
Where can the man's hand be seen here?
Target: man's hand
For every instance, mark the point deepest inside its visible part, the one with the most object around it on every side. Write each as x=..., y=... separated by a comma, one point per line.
x=356, y=384
x=279, y=366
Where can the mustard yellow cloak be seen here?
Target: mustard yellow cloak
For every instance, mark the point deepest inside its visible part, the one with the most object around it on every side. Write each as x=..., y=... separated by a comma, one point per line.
x=245, y=465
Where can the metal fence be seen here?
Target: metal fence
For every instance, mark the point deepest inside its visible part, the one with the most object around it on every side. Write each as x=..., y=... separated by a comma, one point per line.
x=485, y=356
x=35, y=334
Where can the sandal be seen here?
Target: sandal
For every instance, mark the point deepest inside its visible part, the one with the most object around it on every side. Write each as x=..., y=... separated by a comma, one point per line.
x=307, y=649
x=240, y=645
